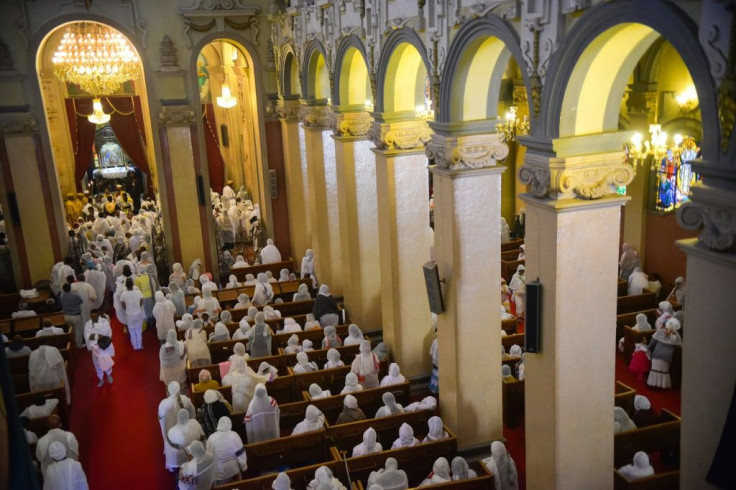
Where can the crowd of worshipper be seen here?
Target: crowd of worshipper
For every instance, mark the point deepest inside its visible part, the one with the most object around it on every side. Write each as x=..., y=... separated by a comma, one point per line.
x=235, y=215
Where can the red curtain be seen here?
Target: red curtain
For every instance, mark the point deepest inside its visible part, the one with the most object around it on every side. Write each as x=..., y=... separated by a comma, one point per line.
x=126, y=120
x=215, y=163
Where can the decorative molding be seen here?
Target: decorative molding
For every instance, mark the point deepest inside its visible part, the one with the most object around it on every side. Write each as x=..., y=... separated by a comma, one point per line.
x=399, y=135
x=289, y=110
x=355, y=124
x=315, y=116
x=271, y=108
x=176, y=115
x=19, y=122
x=220, y=15
x=714, y=211
x=169, y=60
x=464, y=152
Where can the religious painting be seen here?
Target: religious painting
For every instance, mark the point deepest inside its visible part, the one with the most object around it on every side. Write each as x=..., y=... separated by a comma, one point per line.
x=203, y=79
x=674, y=176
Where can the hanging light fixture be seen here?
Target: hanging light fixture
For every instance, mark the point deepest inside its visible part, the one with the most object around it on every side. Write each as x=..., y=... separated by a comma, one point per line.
x=98, y=116
x=226, y=101
x=511, y=125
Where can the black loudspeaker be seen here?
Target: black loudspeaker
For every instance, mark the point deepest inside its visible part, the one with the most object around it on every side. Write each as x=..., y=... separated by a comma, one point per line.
x=225, y=135
x=434, y=293
x=200, y=190
x=533, y=317
x=14, y=212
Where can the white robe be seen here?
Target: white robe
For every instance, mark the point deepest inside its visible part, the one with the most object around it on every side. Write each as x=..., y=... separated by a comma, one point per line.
x=163, y=312
x=65, y=475
x=46, y=370
x=56, y=435
x=89, y=298
x=270, y=254
x=183, y=435
x=98, y=281
x=223, y=445
x=167, y=410
x=262, y=421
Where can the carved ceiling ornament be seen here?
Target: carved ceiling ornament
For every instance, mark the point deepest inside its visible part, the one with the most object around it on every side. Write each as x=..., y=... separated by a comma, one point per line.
x=466, y=151
x=220, y=15
x=400, y=135
x=176, y=115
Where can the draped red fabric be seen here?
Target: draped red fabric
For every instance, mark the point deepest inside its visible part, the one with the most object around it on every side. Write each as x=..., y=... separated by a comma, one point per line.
x=83, y=136
x=215, y=163
x=126, y=120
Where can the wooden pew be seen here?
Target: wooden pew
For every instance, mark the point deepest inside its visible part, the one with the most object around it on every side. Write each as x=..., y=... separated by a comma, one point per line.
x=59, y=341
x=512, y=245
x=347, y=355
x=510, y=340
x=669, y=480
x=508, y=269
x=624, y=397
x=663, y=437
x=623, y=287
x=291, y=451
x=636, y=303
x=300, y=478
x=510, y=255
x=513, y=402
x=25, y=400
x=329, y=379
x=346, y=436
x=630, y=319
x=275, y=269
x=368, y=400
x=509, y=326
x=281, y=340
x=28, y=326
x=214, y=369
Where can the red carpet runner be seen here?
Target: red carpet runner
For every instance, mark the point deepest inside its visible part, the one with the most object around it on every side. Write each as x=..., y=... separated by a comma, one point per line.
x=117, y=427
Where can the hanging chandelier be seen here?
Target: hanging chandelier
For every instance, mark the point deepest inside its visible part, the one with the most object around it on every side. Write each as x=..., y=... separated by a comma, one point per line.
x=511, y=125
x=98, y=116
x=226, y=101
x=96, y=57
x=657, y=147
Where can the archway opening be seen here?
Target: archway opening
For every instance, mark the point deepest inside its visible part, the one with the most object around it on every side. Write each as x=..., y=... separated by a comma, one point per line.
x=354, y=84
x=406, y=86
x=290, y=75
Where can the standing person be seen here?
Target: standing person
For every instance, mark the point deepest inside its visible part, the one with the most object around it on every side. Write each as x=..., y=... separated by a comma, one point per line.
x=71, y=305
x=307, y=269
x=503, y=468
x=98, y=280
x=186, y=431
x=227, y=447
x=46, y=369
x=263, y=292
x=98, y=334
x=518, y=286
x=262, y=421
x=199, y=472
x=167, y=417
x=63, y=473
x=259, y=337
x=163, y=312
x=55, y=434
x=88, y=295
x=145, y=284
x=132, y=302
x=662, y=348
x=325, y=307
x=173, y=358
x=366, y=366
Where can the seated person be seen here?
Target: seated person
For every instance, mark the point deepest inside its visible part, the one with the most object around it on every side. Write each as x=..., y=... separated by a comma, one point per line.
x=369, y=444
x=390, y=407
x=302, y=294
x=406, y=437
x=644, y=415
x=621, y=421
x=389, y=477
x=461, y=470
x=41, y=408
x=394, y=376
x=221, y=333
x=48, y=328
x=292, y=345
x=440, y=473
x=333, y=360
x=304, y=365
x=313, y=420
x=331, y=339
x=639, y=469
x=351, y=384
x=315, y=392
x=351, y=412
x=307, y=345
x=436, y=431
x=206, y=382
x=16, y=347
x=506, y=373
x=311, y=323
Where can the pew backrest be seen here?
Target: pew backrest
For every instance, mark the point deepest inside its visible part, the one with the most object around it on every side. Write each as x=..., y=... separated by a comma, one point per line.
x=664, y=436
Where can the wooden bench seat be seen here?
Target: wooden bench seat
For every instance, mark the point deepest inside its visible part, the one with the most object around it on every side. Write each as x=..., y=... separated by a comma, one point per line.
x=669, y=480
x=509, y=326
x=512, y=245
x=327, y=379
x=300, y=478
x=368, y=400
x=275, y=269
x=624, y=397
x=291, y=451
x=28, y=326
x=636, y=302
x=622, y=288
x=510, y=255
x=513, y=402
x=510, y=340
x=663, y=437
x=25, y=400
x=346, y=436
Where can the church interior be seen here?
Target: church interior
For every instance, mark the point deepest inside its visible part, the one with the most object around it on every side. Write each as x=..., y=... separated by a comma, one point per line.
x=413, y=161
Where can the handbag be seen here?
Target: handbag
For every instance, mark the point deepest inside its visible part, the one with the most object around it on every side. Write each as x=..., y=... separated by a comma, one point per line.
x=103, y=341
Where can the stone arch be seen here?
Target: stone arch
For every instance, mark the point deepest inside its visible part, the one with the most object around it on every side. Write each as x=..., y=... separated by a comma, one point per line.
x=403, y=66
x=351, y=73
x=315, y=72
x=289, y=73
x=584, y=50
x=466, y=70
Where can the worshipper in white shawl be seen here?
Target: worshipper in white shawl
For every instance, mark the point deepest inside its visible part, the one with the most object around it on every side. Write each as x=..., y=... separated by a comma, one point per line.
x=186, y=431
x=195, y=270
x=55, y=434
x=355, y=336
x=662, y=348
x=220, y=334
x=665, y=313
x=243, y=302
x=307, y=345
x=644, y=415
x=262, y=418
x=63, y=473
x=307, y=267
x=390, y=477
x=313, y=420
x=98, y=335
x=505, y=315
x=243, y=382
x=436, y=430
x=325, y=307
x=178, y=276
x=639, y=469
x=233, y=214
x=46, y=369
x=522, y=253
x=177, y=298
x=502, y=467
x=270, y=254
x=461, y=470
x=191, y=288
x=678, y=292
x=265, y=369
x=98, y=280
x=270, y=313
x=627, y=262
x=239, y=352
x=350, y=411
x=263, y=293
x=281, y=482
x=232, y=282
x=199, y=472
x=164, y=312
x=506, y=373
x=505, y=231
x=284, y=275
x=351, y=384
x=642, y=324
x=406, y=437
x=173, y=358
x=390, y=407
x=250, y=280
x=132, y=302
x=48, y=328
x=331, y=339
x=208, y=304
x=366, y=366
x=227, y=447
x=259, y=337
x=621, y=421
x=518, y=286
x=323, y=480
x=440, y=473
x=638, y=281
x=290, y=326
x=41, y=408
x=369, y=444
x=88, y=295
x=310, y=323
x=292, y=345
x=239, y=263
x=303, y=364
x=186, y=322
x=515, y=350
x=334, y=361
x=206, y=283
x=394, y=376
x=302, y=294
x=167, y=416
x=521, y=368
x=315, y=392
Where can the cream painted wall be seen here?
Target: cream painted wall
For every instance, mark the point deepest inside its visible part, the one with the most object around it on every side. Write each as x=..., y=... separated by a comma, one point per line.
x=299, y=229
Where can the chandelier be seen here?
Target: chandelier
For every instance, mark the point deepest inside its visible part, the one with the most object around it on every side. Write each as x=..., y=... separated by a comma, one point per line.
x=657, y=147
x=98, y=116
x=226, y=101
x=511, y=125
x=96, y=57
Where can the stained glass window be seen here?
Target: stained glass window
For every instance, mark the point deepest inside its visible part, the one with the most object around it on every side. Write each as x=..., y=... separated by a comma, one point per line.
x=674, y=176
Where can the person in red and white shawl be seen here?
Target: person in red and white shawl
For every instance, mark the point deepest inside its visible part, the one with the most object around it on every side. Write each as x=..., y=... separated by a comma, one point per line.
x=262, y=422
x=366, y=366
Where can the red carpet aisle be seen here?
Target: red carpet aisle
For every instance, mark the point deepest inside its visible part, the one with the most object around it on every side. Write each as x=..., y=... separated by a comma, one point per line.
x=116, y=425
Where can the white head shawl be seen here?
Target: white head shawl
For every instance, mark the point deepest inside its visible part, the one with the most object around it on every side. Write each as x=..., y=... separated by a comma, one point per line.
x=369, y=438
x=406, y=435
x=641, y=402
x=668, y=334
x=515, y=350
x=642, y=324
x=436, y=430
x=354, y=332
x=503, y=463
x=281, y=482
x=57, y=451
x=324, y=290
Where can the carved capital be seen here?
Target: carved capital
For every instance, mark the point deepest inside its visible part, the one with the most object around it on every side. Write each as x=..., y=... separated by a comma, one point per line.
x=399, y=135
x=288, y=110
x=21, y=122
x=315, y=116
x=468, y=151
x=713, y=211
x=355, y=124
x=176, y=115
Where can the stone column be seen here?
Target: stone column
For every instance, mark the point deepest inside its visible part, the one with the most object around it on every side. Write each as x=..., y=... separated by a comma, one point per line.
x=404, y=235
x=295, y=170
x=323, y=196
x=467, y=211
x=356, y=184
x=708, y=363
x=572, y=249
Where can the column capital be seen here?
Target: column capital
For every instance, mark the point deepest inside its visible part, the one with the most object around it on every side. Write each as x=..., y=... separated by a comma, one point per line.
x=176, y=115
x=288, y=109
x=399, y=131
x=559, y=170
x=315, y=117
x=455, y=151
x=18, y=122
x=713, y=211
x=352, y=124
